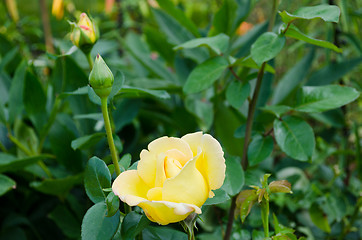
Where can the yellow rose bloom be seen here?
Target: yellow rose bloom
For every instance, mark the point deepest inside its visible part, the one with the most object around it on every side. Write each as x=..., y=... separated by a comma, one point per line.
x=174, y=177
x=85, y=33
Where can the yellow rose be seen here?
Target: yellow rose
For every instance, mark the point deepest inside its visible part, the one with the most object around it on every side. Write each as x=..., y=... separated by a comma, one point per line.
x=85, y=33
x=174, y=177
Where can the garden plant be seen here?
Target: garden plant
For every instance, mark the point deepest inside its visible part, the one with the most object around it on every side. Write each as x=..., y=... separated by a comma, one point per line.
x=180, y=119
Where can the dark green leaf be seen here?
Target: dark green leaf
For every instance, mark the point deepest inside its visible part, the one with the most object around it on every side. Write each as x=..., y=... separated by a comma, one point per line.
x=15, y=96
x=133, y=224
x=329, y=13
x=2, y=114
x=135, y=92
x=266, y=47
x=126, y=111
x=58, y=187
x=34, y=97
x=333, y=72
x=318, y=218
x=250, y=63
x=96, y=225
x=87, y=141
x=125, y=161
x=203, y=110
x=162, y=233
x=224, y=19
x=220, y=197
x=237, y=93
x=292, y=78
x=234, y=176
x=169, y=7
x=219, y=44
x=319, y=99
x=66, y=221
x=295, y=137
x=117, y=85
x=112, y=202
x=6, y=184
x=295, y=33
x=205, y=74
x=96, y=177
x=259, y=149
x=11, y=163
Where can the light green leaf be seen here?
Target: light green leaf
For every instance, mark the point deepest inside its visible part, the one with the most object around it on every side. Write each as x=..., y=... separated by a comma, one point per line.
x=259, y=149
x=319, y=218
x=295, y=137
x=323, y=98
x=277, y=110
x=112, y=202
x=135, y=92
x=96, y=225
x=96, y=177
x=219, y=44
x=295, y=33
x=329, y=13
x=250, y=63
x=87, y=141
x=266, y=47
x=6, y=184
x=205, y=74
x=224, y=19
x=58, y=187
x=234, y=176
x=17, y=86
x=237, y=93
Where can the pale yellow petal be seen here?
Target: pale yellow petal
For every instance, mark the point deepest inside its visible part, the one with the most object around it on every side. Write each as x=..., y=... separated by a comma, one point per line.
x=154, y=194
x=172, y=167
x=211, y=163
x=146, y=167
x=167, y=212
x=160, y=170
x=189, y=186
x=165, y=144
x=130, y=188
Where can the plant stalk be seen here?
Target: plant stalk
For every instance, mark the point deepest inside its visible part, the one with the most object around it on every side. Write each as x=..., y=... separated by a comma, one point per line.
x=46, y=26
x=90, y=60
x=108, y=128
x=265, y=216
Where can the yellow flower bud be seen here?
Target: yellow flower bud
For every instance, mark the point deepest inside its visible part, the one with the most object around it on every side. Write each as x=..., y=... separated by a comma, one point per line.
x=58, y=9
x=85, y=33
x=101, y=78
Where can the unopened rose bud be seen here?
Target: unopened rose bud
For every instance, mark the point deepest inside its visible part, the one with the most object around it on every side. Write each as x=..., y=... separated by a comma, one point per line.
x=85, y=33
x=101, y=78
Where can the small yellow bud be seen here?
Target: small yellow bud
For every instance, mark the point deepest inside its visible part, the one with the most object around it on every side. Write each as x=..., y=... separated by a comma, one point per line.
x=101, y=78
x=85, y=33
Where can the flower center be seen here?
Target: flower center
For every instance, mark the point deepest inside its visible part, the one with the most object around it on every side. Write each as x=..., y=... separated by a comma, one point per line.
x=172, y=167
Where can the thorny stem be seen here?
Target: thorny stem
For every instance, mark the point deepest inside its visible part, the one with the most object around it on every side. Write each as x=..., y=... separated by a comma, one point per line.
x=249, y=124
x=107, y=126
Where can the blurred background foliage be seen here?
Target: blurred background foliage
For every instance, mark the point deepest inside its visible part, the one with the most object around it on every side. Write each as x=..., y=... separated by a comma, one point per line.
x=42, y=114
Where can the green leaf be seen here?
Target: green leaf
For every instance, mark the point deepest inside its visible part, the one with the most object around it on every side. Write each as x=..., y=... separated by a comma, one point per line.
x=205, y=74
x=292, y=78
x=259, y=149
x=96, y=225
x=220, y=197
x=329, y=13
x=17, y=86
x=135, y=92
x=96, y=177
x=219, y=44
x=87, y=141
x=2, y=114
x=169, y=7
x=202, y=109
x=126, y=111
x=244, y=203
x=319, y=99
x=125, y=161
x=237, y=93
x=250, y=63
x=295, y=137
x=319, y=218
x=133, y=224
x=6, y=184
x=162, y=233
x=282, y=186
x=58, y=187
x=266, y=47
x=224, y=19
x=117, y=85
x=34, y=97
x=11, y=163
x=234, y=176
x=112, y=202
x=333, y=72
x=277, y=110
x=66, y=221
x=294, y=32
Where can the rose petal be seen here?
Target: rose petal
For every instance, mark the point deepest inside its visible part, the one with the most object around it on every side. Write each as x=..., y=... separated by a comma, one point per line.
x=211, y=163
x=189, y=186
x=164, y=212
x=146, y=167
x=130, y=188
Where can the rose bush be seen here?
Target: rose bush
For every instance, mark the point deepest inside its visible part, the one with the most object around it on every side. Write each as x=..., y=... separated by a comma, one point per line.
x=174, y=177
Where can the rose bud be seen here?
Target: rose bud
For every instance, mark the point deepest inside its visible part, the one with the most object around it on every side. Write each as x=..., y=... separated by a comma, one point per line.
x=101, y=78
